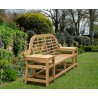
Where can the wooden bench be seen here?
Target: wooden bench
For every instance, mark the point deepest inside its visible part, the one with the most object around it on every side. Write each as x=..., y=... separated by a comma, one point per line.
x=48, y=59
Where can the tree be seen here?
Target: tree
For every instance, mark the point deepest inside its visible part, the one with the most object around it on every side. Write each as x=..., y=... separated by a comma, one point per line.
x=2, y=13
x=93, y=14
x=64, y=20
x=77, y=15
x=58, y=17
x=54, y=14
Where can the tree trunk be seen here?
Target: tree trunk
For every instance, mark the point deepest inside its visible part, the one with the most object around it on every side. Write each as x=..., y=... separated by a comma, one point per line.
x=75, y=23
x=91, y=25
x=56, y=20
x=78, y=24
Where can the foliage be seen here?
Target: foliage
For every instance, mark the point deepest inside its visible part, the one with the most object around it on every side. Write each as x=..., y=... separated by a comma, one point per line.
x=95, y=47
x=6, y=55
x=37, y=22
x=12, y=37
x=6, y=35
x=3, y=62
x=64, y=37
x=71, y=30
x=17, y=40
x=75, y=43
x=1, y=44
x=8, y=74
x=95, y=41
x=82, y=40
x=1, y=22
x=20, y=42
x=12, y=26
x=81, y=50
x=88, y=48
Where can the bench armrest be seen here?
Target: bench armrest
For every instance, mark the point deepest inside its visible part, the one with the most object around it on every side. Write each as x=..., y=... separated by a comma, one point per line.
x=40, y=56
x=73, y=50
x=67, y=48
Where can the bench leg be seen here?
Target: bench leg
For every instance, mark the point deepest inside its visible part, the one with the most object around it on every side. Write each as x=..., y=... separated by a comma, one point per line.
x=53, y=73
x=53, y=61
x=26, y=74
x=47, y=74
x=73, y=58
x=76, y=60
x=65, y=66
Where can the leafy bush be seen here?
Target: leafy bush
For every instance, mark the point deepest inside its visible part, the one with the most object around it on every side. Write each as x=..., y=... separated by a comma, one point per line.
x=8, y=75
x=14, y=38
x=64, y=38
x=1, y=22
x=88, y=48
x=6, y=55
x=20, y=42
x=81, y=50
x=12, y=26
x=11, y=36
x=1, y=44
x=3, y=62
x=37, y=22
x=82, y=40
x=75, y=44
x=95, y=41
x=71, y=30
x=6, y=35
x=95, y=47
x=11, y=72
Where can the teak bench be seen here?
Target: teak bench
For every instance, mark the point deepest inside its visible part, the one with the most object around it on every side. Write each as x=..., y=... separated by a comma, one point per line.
x=48, y=59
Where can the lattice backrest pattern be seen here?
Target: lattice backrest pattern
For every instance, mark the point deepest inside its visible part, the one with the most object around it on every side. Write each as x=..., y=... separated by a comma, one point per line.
x=44, y=44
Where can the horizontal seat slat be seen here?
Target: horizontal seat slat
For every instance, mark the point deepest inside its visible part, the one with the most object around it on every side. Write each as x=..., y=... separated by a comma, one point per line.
x=61, y=58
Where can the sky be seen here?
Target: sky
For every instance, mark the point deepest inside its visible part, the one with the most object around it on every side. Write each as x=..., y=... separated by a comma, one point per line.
x=50, y=4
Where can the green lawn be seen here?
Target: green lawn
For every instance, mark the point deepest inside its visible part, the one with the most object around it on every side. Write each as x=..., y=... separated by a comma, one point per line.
x=85, y=76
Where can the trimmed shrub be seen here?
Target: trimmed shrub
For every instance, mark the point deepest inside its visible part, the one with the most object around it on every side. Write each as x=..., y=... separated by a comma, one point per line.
x=37, y=22
x=88, y=48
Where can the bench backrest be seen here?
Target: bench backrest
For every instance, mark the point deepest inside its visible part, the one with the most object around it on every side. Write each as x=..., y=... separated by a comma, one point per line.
x=44, y=44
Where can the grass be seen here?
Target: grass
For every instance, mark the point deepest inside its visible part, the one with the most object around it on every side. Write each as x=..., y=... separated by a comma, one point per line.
x=85, y=76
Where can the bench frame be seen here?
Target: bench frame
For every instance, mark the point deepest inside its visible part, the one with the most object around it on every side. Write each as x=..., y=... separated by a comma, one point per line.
x=47, y=58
